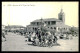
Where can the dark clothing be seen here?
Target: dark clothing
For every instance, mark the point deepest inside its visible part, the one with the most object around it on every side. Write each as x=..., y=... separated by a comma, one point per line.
x=3, y=35
x=43, y=33
x=55, y=39
x=38, y=34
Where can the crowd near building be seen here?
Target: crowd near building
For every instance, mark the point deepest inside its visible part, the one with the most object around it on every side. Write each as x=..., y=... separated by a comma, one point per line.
x=53, y=24
x=37, y=34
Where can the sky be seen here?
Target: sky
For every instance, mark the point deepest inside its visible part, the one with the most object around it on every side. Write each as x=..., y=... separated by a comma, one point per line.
x=22, y=13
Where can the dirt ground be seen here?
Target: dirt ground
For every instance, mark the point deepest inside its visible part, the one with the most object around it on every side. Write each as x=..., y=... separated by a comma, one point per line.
x=17, y=42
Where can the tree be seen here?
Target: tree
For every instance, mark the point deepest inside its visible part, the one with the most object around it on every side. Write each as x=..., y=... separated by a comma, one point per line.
x=74, y=30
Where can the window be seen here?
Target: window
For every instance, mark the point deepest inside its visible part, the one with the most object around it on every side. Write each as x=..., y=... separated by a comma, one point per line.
x=55, y=28
x=37, y=23
x=45, y=21
x=32, y=23
x=51, y=28
x=33, y=28
x=48, y=23
x=60, y=17
x=53, y=22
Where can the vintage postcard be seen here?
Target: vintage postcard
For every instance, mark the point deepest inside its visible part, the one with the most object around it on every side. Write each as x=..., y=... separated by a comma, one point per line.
x=40, y=26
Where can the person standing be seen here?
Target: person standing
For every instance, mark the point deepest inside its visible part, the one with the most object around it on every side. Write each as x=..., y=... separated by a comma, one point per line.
x=55, y=39
x=6, y=32
x=3, y=35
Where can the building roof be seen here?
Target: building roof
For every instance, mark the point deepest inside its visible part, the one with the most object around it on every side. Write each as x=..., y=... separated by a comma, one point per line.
x=32, y=26
x=48, y=19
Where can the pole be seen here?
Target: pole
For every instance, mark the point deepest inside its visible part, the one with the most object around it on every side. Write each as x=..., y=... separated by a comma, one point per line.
x=41, y=24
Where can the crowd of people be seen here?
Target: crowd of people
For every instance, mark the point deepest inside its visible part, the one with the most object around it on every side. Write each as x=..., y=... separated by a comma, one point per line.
x=42, y=38
x=39, y=37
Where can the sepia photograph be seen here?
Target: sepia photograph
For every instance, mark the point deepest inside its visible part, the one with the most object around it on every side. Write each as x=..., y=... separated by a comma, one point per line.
x=40, y=26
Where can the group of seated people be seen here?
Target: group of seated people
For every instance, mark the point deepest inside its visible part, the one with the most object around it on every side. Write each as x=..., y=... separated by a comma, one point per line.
x=41, y=38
